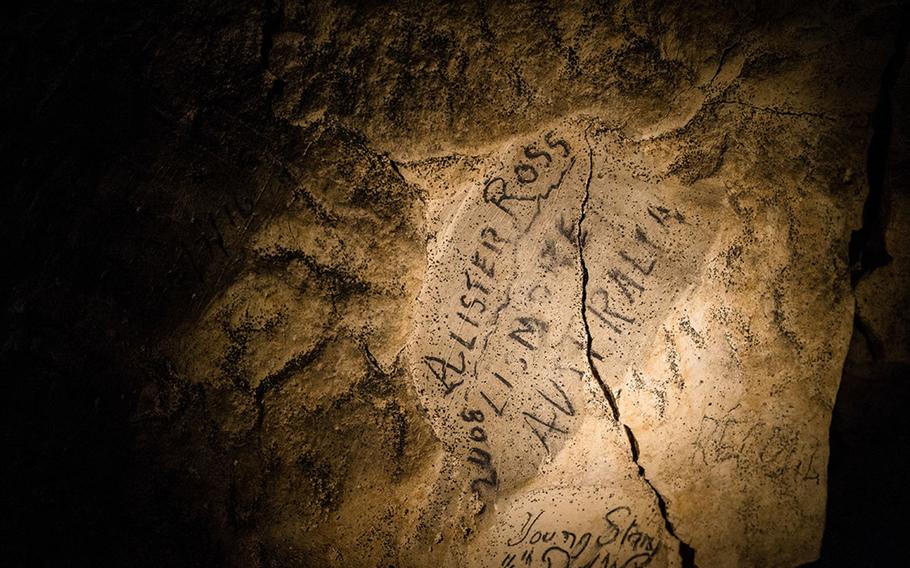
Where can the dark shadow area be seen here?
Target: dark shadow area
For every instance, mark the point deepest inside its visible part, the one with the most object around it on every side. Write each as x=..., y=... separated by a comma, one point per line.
x=870, y=430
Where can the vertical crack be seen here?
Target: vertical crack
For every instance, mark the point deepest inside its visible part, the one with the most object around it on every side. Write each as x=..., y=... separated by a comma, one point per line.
x=579, y=240
x=686, y=552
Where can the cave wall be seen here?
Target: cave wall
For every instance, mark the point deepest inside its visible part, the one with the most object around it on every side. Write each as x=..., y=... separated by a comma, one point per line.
x=241, y=239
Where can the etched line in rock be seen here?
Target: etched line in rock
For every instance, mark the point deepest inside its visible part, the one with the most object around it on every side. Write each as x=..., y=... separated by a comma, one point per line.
x=687, y=553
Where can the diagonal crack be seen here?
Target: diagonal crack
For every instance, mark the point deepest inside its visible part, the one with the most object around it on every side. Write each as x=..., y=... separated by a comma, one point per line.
x=686, y=552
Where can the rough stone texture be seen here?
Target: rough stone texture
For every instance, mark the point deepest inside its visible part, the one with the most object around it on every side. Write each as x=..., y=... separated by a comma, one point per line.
x=457, y=285
x=702, y=363
x=500, y=361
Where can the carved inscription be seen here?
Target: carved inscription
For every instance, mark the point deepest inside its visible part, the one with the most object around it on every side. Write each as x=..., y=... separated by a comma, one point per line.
x=524, y=183
x=572, y=277
x=617, y=540
x=491, y=390
x=774, y=451
x=613, y=301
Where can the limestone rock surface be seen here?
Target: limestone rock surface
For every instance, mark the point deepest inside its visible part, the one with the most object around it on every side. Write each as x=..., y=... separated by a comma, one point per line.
x=599, y=320
x=475, y=284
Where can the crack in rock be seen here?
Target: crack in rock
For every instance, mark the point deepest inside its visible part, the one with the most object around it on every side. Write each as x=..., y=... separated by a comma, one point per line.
x=686, y=552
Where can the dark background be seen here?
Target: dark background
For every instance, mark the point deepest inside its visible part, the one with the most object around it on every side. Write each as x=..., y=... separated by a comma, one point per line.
x=99, y=99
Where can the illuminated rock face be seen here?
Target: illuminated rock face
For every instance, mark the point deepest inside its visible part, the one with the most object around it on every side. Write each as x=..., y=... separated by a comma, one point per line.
x=604, y=330
x=456, y=284
x=589, y=345
x=500, y=359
